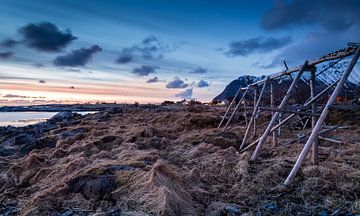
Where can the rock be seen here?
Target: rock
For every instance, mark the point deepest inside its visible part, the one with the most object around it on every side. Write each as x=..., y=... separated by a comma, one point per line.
x=93, y=186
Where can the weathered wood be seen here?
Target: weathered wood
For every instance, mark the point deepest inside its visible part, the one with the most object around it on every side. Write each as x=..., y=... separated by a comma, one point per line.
x=272, y=103
x=253, y=115
x=285, y=120
x=330, y=140
x=255, y=108
x=236, y=108
x=294, y=111
x=331, y=56
x=228, y=109
x=321, y=119
x=245, y=115
x=348, y=107
x=276, y=115
x=315, y=150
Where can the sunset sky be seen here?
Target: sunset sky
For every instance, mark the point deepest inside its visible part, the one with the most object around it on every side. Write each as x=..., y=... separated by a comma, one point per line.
x=69, y=51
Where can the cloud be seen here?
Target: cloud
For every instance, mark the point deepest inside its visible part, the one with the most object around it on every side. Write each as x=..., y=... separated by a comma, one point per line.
x=186, y=94
x=199, y=70
x=177, y=83
x=6, y=55
x=202, y=84
x=38, y=65
x=150, y=48
x=15, y=96
x=256, y=45
x=125, y=57
x=154, y=80
x=329, y=15
x=42, y=81
x=46, y=37
x=332, y=24
x=313, y=45
x=77, y=57
x=8, y=43
x=144, y=70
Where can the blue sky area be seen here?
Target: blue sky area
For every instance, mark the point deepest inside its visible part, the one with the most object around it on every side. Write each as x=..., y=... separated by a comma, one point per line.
x=150, y=51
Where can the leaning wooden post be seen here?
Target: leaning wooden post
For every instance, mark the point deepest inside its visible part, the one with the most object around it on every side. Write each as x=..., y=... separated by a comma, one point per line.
x=228, y=109
x=276, y=115
x=236, y=108
x=245, y=114
x=315, y=132
x=253, y=115
x=255, y=108
x=272, y=103
x=315, y=157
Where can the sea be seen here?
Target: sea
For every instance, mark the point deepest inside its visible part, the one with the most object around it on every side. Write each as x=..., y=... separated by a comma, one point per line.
x=21, y=119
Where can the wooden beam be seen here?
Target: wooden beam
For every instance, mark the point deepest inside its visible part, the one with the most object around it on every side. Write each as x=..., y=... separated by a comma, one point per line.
x=253, y=115
x=321, y=119
x=348, y=51
x=330, y=140
x=272, y=103
x=228, y=109
x=236, y=108
x=255, y=109
x=276, y=115
x=315, y=150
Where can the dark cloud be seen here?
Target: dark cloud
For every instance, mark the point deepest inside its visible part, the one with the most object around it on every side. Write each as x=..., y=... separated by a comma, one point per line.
x=6, y=55
x=330, y=15
x=15, y=96
x=150, y=48
x=256, y=45
x=177, y=83
x=144, y=70
x=337, y=22
x=313, y=45
x=46, y=37
x=42, y=81
x=202, y=84
x=124, y=58
x=199, y=70
x=186, y=94
x=38, y=65
x=77, y=57
x=8, y=43
x=154, y=80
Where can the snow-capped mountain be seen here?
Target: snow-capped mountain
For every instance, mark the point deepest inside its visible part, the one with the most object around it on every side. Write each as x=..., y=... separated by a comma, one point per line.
x=324, y=78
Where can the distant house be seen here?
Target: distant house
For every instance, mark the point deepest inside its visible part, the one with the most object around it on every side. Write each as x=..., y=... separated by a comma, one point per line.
x=167, y=103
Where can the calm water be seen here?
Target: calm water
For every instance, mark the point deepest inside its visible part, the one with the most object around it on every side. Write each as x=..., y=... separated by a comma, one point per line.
x=19, y=119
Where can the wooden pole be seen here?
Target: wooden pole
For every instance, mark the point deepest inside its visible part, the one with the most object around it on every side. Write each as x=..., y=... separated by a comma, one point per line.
x=255, y=108
x=320, y=121
x=253, y=115
x=228, y=109
x=331, y=56
x=282, y=122
x=272, y=102
x=276, y=115
x=315, y=150
x=245, y=114
x=236, y=108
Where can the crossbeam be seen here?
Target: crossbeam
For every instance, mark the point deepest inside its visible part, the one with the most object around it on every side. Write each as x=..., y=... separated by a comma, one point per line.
x=322, y=118
x=276, y=114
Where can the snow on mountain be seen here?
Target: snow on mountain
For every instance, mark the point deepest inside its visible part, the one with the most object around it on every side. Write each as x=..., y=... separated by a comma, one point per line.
x=324, y=79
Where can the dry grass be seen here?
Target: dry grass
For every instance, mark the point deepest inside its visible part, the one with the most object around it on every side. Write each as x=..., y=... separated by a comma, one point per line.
x=142, y=162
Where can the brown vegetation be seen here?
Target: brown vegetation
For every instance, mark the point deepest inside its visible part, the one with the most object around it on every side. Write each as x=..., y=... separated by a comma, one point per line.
x=166, y=162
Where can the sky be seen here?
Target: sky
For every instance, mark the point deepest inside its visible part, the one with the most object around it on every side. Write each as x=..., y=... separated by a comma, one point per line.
x=126, y=51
